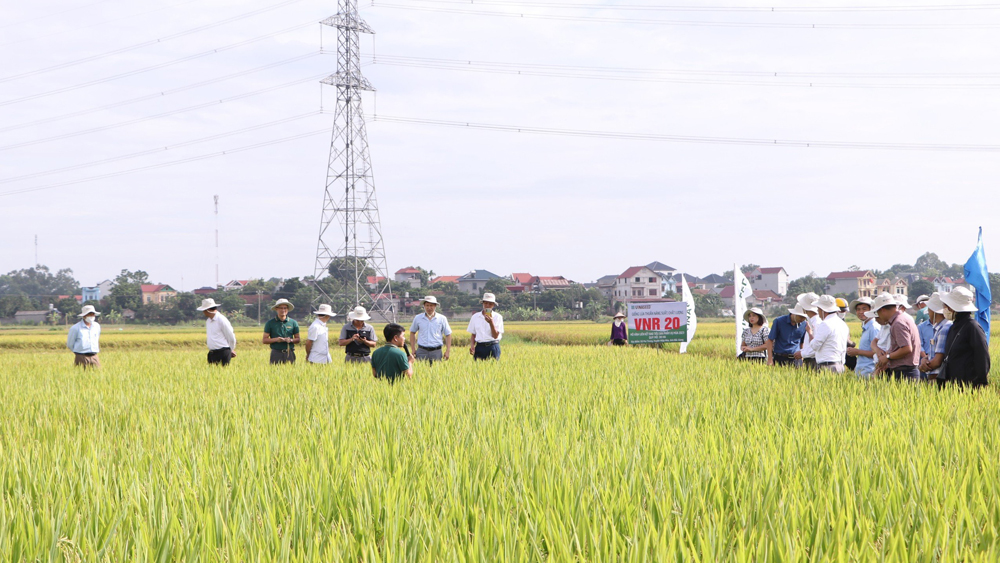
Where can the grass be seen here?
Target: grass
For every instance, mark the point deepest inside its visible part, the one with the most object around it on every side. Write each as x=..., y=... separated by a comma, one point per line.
x=556, y=453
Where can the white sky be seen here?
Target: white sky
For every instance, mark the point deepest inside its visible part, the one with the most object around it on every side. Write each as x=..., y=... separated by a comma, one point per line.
x=454, y=199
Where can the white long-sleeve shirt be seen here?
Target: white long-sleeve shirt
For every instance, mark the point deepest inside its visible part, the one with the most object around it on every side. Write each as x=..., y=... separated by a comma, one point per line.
x=829, y=342
x=220, y=333
x=84, y=338
x=813, y=322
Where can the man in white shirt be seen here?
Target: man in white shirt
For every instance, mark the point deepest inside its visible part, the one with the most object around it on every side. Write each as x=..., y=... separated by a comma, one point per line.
x=84, y=339
x=808, y=303
x=430, y=332
x=486, y=328
x=219, y=333
x=318, y=337
x=829, y=341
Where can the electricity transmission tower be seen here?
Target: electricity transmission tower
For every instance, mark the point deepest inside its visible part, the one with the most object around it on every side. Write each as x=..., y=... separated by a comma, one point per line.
x=354, y=252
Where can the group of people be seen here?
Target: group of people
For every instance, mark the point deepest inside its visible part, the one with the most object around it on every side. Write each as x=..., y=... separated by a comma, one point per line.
x=430, y=337
x=940, y=341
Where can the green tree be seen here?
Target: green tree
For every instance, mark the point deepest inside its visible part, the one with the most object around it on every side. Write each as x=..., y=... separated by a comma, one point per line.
x=995, y=287
x=126, y=293
x=289, y=289
x=343, y=270
x=920, y=287
x=39, y=284
x=497, y=286
x=805, y=284
x=929, y=263
x=710, y=305
x=10, y=304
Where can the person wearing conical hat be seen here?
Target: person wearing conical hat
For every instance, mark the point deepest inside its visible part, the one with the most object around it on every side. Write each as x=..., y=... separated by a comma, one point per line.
x=84, y=339
x=619, y=330
x=282, y=333
x=220, y=337
x=318, y=337
x=358, y=337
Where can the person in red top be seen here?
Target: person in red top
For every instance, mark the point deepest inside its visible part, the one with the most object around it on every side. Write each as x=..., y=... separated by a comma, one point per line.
x=903, y=355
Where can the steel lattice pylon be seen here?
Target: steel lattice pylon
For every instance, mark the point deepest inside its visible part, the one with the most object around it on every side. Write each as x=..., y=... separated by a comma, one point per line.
x=356, y=250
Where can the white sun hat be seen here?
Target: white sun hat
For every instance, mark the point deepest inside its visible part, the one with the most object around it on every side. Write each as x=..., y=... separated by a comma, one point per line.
x=961, y=300
x=88, y=309
x=902, y=301
x=757, y=311
x=797, y=310
x=207, y=304
x=808, y=301
x=282, y=302
x=922, y=299
x=359, y=314
x=324, y=309
x=883, y=300
x=935, y=304
x=489, y=298
x=859, y=301
x=828, y=304
x=430, y=299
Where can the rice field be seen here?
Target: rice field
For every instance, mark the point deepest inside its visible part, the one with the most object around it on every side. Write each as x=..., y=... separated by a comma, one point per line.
x=565, y=450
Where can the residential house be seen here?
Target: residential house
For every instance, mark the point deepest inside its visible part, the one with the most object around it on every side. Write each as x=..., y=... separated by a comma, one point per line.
x=715, y=279
x=475, y=281
x=606, y=284
x=205, y=290
x=445, y=279
x=760, y=297
x=637, y=282
x=898, y=286
x=157, y=293
x=523, y=282
x=694, y=282
x=668, y=278
x=375, y=282
x=773, y=279
x=90, y=294
x=944, y=284
x=236, y=285
x=860, y=282
x=32, y=316
x=409, y=276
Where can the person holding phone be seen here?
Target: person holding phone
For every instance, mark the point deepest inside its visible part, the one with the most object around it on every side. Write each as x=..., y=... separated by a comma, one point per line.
x=486, y=328
x=358, y=337
x=282, y=333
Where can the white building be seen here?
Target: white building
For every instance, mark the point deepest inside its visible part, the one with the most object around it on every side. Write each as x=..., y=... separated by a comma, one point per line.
x=637, y=282
x=773, y=279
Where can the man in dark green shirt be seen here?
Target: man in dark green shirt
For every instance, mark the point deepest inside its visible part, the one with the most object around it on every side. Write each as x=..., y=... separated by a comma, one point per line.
x=390, y=361
x=282, y=333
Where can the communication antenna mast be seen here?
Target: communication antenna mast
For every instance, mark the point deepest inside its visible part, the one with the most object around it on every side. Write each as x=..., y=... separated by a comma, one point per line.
x=354, y=252
x=36, y=250
x=216, y=242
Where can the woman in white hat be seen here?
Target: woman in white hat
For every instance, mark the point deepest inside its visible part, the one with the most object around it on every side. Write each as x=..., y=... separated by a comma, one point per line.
x=754, y=347
x=318, y=337
x=619, y=331
x=282, y=333
x=966, y=351
x=486, y=328
x=219, y=334
x=84, y=339
x=358, y=337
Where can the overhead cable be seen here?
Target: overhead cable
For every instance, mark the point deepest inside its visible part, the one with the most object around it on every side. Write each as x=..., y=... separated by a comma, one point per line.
x=692, y=138
x=692, y=8
x=148, y=43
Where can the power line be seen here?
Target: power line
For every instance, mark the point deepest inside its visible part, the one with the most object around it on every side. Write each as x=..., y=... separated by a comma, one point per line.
x=649, y=75
x=158, y=150
x=156, y=66
x=682, y=8
x=166, y=164
x=164, y=114
x=160, y=94
x=147, y=43
x=693, y=138
x=690, y=23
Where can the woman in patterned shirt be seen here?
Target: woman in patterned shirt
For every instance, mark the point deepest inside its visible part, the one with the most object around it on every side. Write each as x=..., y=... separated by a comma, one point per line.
x=755, y=336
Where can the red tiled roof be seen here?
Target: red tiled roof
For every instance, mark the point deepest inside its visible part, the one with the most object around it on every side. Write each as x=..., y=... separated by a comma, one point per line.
x=846, y=275
x=152, y=288
x=373, y=279
x=554, y=281
x=450, y=279
x=700, y=291
x=728, y=292
x=771, y=270
x=631, y=272
x=766, y=294
x=410, y=270
x=522, y=278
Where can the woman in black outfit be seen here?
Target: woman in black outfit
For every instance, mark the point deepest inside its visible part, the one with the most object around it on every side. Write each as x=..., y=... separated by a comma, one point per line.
x=966, y=351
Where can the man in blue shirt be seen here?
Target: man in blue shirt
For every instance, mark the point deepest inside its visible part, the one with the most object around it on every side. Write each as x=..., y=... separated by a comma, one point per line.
x=84, y=339
x=925, y=328
x=933, y=357
x=869, y=333
x=430, y=332
x=785, y=338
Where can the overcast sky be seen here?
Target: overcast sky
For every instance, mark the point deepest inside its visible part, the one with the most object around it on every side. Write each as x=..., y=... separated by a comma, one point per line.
x=453, y=199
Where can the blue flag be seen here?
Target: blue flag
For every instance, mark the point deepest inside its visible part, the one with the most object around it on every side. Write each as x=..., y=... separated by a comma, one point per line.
x=978, y=277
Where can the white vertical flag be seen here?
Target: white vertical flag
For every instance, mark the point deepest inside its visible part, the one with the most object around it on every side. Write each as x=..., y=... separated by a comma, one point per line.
x=741, y=290
x=688, y=299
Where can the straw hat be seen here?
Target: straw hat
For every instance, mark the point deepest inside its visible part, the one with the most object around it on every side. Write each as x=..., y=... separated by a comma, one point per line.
x=282, y=302
x=828, y=304
x=207, y=304
x=88, y=309
x=961, y=300
x=935, y=304
x=324, y=309
x=489, y=298
x=359, y=314
x=757, y=311
x=619, y=315
x=808, y=301
x=430, y=299
x=860, y=301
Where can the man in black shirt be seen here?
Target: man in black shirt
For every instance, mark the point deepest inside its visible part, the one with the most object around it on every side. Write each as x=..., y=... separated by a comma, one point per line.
x=358, y=337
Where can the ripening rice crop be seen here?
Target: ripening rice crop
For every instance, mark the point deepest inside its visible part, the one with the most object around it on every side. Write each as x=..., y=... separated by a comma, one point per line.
x=582, y=453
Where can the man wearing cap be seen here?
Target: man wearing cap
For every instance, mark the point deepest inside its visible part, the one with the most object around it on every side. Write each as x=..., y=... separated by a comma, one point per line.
x=486, y=328
x=220, y=338
x=358, y=337
x=829, y=341
x=84, y=339
x=933, y=356
x=785, y=337
x=920, y=306
x=966, y=351
x=902, y=355
x=806, y=355
x=429, y=332
x=619, y=330
x=318, y=337
x=850, y=362
x=282, y=333
x=865, y=366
